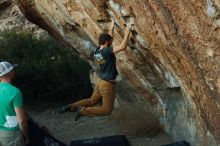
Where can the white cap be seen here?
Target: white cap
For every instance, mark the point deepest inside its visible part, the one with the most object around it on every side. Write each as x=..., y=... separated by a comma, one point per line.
x=6, y=67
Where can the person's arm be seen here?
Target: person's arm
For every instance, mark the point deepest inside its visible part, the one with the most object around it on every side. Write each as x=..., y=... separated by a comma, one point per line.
x=124, y=42
x=112, y=26
x=22, y=120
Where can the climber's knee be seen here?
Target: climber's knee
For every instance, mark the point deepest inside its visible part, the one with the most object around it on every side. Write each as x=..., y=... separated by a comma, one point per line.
x=107, y=111
x=93, y=101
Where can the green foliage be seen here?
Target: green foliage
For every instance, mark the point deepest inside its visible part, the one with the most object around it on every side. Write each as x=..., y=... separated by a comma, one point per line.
x=46, y=69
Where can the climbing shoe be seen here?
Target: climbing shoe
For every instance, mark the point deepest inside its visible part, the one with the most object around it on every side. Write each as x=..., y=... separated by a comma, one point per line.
x=64, y=109
x=78, y=113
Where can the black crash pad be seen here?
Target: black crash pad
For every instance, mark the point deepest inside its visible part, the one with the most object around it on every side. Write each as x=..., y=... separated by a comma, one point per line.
x=181, y=143
x=116, y=140
x=40, y=137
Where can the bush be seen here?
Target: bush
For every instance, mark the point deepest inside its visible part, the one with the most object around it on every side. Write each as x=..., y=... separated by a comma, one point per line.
x=47, y=71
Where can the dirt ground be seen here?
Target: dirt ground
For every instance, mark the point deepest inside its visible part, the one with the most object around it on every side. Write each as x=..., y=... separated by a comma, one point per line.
x=140, y=130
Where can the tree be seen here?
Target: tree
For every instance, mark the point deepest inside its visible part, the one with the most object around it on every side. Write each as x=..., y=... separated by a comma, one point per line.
x=47, y=71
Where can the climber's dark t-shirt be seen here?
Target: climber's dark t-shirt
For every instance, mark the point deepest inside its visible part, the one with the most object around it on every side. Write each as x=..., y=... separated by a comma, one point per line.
x=107, y=63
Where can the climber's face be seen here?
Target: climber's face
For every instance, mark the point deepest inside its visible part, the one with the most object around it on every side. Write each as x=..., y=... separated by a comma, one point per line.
x=109, y=42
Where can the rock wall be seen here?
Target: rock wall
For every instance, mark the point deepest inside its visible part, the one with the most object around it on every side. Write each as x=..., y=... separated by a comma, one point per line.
x=171, y=66
x=12, y=18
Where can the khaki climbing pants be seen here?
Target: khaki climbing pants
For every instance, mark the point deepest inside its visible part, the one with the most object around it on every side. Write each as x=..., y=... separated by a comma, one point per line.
x=104, y=91
x=11, y=138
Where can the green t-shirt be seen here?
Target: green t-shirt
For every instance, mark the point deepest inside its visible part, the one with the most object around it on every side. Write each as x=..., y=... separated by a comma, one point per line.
x=10, y=98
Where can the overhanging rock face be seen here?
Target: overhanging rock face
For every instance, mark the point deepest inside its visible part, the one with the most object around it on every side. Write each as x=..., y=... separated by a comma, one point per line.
x=12, y=18
x=172, y=64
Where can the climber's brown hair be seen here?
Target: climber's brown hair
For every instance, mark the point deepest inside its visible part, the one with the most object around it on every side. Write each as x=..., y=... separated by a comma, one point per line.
x=103, y=38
